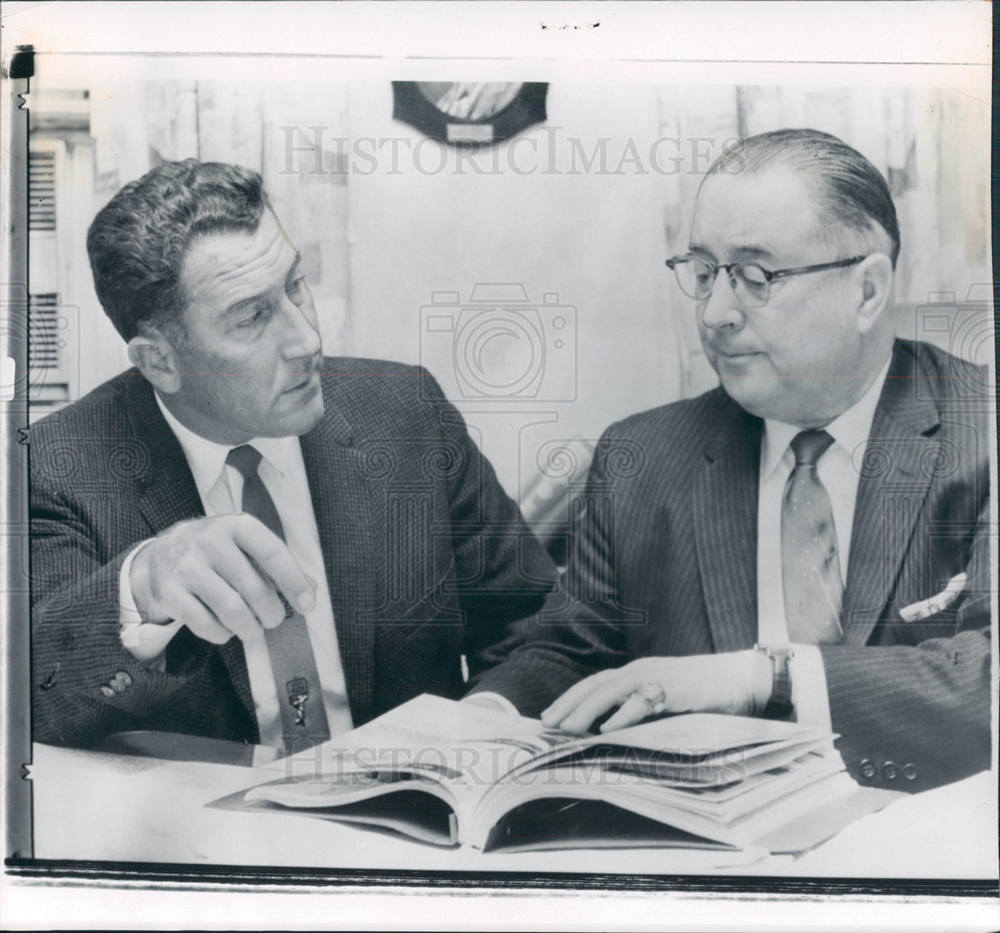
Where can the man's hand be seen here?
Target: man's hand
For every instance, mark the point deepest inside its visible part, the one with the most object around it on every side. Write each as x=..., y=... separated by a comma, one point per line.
x=738, y=683
x=220, y=576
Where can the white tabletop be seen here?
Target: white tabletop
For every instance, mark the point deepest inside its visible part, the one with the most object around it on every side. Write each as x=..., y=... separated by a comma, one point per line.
x=96, y=806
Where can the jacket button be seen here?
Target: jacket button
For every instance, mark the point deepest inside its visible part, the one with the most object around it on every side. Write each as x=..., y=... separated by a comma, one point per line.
x=867, y=768
x=910, y=772
x=889, y=771
x=107, y=691
x=120, y=682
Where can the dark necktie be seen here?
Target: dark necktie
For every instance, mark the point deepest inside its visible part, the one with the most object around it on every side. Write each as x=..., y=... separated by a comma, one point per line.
x=303, y=718
x=810, y=563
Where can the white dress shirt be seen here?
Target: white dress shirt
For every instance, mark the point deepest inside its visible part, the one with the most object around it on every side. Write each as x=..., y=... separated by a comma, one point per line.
x=221, y=490
x=839, y=470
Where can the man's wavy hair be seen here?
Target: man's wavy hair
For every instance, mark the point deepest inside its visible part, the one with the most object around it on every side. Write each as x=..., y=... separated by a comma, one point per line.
x=851, y=191
x=138, y=241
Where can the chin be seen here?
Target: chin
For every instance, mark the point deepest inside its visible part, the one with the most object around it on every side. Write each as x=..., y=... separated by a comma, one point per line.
x=742, y=391
x=762, y=404
x=779, y=409
x=314, y=418
x=304, y=419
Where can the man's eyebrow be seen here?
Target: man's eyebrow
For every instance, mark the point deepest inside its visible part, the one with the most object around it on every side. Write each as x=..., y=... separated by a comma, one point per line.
x=738, y=252
x=753, y=252
x=239, y=305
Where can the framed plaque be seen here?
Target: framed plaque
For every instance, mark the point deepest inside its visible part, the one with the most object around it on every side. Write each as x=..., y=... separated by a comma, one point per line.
x=465, y=113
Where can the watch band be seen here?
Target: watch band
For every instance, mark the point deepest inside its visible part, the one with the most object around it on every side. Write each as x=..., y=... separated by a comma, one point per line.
x=779, y=705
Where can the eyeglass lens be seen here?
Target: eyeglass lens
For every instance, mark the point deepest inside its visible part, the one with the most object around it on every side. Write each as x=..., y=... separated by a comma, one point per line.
x=697, y=278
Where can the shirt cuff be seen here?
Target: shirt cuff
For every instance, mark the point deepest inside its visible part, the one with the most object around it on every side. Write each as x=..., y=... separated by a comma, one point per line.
x=809, y=694
x=490, y=700
x=145, y=641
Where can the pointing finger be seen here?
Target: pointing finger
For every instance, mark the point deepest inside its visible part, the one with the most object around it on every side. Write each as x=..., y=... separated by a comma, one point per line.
x=275, y=561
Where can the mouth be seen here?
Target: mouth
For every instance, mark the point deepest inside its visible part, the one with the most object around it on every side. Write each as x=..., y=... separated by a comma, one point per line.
x=735, y=354
x=302, y=384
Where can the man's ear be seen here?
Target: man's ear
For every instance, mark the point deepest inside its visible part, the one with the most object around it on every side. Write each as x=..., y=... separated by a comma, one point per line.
x=152, y=353
x=875, y=275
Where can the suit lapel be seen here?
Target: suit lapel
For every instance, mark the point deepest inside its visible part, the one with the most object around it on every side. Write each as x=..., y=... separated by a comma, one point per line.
x=895, y=477
x=345, y=508
x=169, y=495
x=725, y=522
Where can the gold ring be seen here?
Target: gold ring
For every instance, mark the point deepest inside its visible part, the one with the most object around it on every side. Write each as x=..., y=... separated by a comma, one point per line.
x=654, y=697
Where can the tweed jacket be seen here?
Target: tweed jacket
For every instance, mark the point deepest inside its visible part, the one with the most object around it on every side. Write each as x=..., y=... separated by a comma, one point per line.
x=426, y=558
x=665, y=560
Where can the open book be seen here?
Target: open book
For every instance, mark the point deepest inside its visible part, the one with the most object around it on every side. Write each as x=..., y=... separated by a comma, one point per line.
x=452, y=773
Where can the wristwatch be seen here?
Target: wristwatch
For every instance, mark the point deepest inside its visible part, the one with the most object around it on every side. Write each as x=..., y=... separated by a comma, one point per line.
x=779, y=706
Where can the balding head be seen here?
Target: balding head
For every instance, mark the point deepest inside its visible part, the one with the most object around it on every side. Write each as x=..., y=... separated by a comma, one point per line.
x=850, y=192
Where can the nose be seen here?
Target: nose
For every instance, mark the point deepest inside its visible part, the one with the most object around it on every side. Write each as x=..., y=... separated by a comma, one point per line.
x=301, y=334
x=722, y=308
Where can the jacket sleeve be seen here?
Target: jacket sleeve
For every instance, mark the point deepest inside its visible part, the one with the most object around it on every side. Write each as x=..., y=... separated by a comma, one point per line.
x=85, y=684
x=914, y=716
x=541, y=656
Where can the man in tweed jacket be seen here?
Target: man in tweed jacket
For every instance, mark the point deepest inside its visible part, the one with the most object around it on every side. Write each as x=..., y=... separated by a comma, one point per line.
x=150, y=594
x=678, y=549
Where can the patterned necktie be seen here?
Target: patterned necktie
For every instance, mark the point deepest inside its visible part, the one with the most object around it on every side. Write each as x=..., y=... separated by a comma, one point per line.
x=810, y=563
x=303, y=718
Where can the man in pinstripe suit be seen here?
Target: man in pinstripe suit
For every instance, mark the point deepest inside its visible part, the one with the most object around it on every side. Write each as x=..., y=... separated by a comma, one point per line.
x=160, y=575
x=811, y=538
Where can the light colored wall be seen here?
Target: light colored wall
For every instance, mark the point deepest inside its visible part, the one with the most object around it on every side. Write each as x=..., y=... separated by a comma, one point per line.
x=582, y=209
x=592, y=238
x=136, y=124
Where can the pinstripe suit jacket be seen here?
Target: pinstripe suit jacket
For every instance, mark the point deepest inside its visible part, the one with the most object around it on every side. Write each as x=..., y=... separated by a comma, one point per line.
x=664, y=557
x=426, y=557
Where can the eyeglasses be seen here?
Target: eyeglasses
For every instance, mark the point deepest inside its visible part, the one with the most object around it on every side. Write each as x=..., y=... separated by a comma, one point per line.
x=750, y=282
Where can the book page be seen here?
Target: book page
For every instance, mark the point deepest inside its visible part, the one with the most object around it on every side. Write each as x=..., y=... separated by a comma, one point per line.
x=708, y=748
x=442, y=740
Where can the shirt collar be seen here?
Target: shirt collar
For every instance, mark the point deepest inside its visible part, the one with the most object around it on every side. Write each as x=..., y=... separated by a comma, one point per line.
x=207, y=458
x=849, y=429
